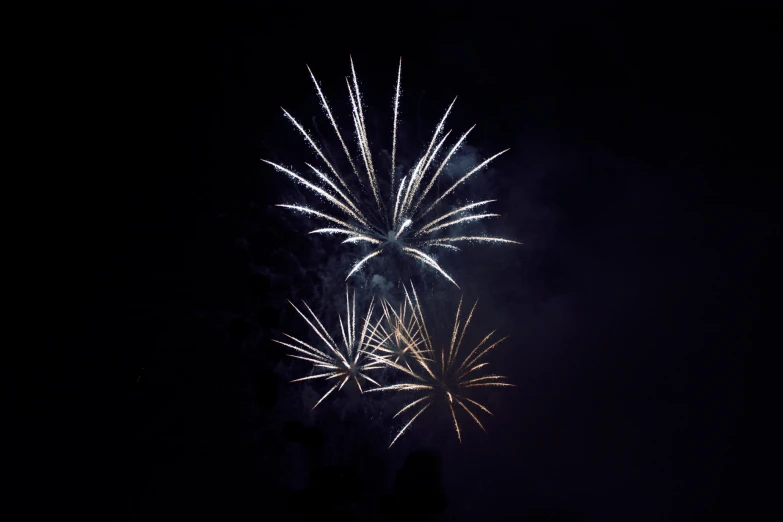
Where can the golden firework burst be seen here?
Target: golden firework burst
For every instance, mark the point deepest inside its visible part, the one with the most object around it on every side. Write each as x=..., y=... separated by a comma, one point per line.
x=442, y=374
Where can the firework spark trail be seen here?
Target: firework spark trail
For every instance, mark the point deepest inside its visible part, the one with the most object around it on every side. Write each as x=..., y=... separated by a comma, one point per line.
x=329, y=182
x=334, y=123
x=356, y=239
x=420, y=319
x=308, y=210
x=478, y=239
x=357, y=127
x=329, y=343
x=427, y=155
x=456, y=329
x=414, y=403
x=443, y=379
x=461, y=220
x=331, y=199
x=315, y=148
x=463, y=178
x=392, y=219
x=428, y=260
x=358, y=265
x=422, y=166
x=394, y=131
x=409, y=423
x=353, y=363
x=409, y=199
x=454, y=149
x=444, y=245
x=459, y=342
x=397, y=200
x=364, y=147
x=454, y=416
x=353, y=322
x=473, y=416
x=363, y=129
x=453, y=212
x=324, y=333
x=404, y=226
x=332, y=231
x=471, y=359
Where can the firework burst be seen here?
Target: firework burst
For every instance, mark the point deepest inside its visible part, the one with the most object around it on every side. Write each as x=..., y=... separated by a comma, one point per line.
x=407, y=217
x=440, y=375
x=340, y=361
x=396, y=336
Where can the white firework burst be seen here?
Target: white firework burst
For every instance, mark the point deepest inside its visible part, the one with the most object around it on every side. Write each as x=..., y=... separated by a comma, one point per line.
x=340, y=361
x=408, y=217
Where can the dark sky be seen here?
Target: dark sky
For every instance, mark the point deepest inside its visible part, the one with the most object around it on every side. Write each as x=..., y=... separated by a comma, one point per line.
x=637, y=181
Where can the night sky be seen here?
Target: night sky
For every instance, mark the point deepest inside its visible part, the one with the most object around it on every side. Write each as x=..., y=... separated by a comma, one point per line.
x=637, y=181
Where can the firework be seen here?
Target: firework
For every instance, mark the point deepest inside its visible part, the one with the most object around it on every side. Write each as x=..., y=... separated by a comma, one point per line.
x=402, y=218
x=441, y=374
x=396, y=336
x=340, y=361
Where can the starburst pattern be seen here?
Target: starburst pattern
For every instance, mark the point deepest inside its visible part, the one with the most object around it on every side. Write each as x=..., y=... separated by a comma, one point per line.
x=340, y=361
x=397, y=335
x=401, y=218
x=442, y=374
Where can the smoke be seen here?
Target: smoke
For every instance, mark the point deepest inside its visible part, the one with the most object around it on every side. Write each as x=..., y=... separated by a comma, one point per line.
x=380, y=285
x=462, y=161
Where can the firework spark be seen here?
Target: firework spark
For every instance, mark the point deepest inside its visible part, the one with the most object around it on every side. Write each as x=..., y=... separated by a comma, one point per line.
x=441, y=375
x=341, y=361
x=395, y=219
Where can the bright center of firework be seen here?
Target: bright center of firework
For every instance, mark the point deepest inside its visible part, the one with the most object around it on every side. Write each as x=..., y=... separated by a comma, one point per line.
x=394, y=235
x=404, y=225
